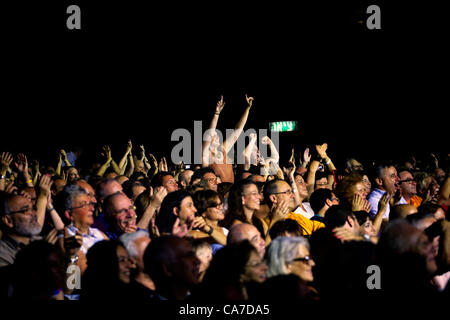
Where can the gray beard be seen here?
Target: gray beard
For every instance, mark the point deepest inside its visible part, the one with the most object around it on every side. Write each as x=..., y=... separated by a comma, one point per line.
x=28, y=230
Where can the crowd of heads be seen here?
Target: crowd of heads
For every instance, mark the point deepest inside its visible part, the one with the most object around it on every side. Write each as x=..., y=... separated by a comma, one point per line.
x=144, y=231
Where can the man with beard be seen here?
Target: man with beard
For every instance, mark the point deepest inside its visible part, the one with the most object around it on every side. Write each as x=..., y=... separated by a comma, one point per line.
x=21, y=221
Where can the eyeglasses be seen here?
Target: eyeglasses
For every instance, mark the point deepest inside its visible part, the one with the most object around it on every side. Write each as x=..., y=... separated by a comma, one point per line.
x=304, y=259
x=23, y=211
x=84, y=204
x=211, y=180
x=217, y=206
x=288, y=192
x=334, y=199
x=407, y=181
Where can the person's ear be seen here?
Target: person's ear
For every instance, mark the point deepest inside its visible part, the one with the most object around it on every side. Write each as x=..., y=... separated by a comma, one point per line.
x=350, y=221
x=68, y=215
x=176, y=211
x=328, y=202
x=273, y=198
x=166, y=271
x=8, y=221
x=378, y=181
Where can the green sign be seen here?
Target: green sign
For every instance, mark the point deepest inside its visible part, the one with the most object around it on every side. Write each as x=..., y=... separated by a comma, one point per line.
x=283, y=126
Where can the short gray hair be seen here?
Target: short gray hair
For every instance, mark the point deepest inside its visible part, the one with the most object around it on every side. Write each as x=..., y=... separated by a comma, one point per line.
x=128, y=240
x=70, y=193
x=281, y=251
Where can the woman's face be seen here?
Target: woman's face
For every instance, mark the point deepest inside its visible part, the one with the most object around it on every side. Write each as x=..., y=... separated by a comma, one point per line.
x=367, y=184
x=368, y=228
x=215, y=213
x=255, y=269
x=187, y=210
x=303, y=266
x=125, y=264
x=72, y=174
x=360, y=189
x=251, y=198
x=301, y=186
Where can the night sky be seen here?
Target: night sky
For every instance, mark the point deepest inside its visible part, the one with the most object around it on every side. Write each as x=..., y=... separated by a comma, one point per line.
x=140, y=72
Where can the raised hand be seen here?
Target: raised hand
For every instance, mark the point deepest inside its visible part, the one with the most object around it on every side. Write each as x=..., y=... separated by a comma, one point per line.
x=158, y=196
x=5, y=161
x=306, y=157
x=357, y=203
x=322, y=150
x=384, y=202
x=45, y=185
x=280, y=211
x=129, y=146
x=22, y=163
x=266, y=140
x=220, y=105
x=180, y=230
x=249, y=100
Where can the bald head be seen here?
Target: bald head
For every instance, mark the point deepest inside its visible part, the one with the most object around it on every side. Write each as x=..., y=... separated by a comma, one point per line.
x=401, y=211
x=246, y=231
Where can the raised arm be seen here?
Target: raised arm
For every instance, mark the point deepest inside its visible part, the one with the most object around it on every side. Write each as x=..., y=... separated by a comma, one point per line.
x=107, y=154
x=41, y=203
x=22, y=166
x=248, y=150
x=212, y=127
x=322, y=151
x=122, y=162
x=157, y=198
x=274, y=155
x=230, y=141
x=5, y=160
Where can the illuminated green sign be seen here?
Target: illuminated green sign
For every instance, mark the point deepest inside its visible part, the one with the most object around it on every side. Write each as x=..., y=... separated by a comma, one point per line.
x=283, y=126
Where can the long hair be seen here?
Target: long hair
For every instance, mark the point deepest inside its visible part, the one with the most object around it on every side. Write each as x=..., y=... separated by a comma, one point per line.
x=236, y=209
x=166, y=218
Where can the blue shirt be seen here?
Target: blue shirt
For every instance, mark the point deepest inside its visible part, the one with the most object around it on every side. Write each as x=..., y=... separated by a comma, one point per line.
x=374, y=197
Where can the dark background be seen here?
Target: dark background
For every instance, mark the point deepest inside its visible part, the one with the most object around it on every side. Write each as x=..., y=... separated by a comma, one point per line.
x=140, y=71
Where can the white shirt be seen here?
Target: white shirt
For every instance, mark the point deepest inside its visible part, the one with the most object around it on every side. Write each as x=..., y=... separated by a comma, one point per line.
x=308, y=212
x=89, y=239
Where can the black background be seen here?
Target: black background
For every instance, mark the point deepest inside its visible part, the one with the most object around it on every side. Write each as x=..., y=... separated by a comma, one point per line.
x=140, y=70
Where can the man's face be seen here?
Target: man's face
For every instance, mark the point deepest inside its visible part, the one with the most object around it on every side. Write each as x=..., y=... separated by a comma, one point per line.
x=390, y=180
x=187, y=210
x=211, y=179
x=186, y=266
x=82, y=212
x=250, y=233
x=356, y=165
x=169, y=183
x=284, y=192
x=123, y=213
x=322, y=183
x=25, y=222
x=407, y=183
x=186, y=177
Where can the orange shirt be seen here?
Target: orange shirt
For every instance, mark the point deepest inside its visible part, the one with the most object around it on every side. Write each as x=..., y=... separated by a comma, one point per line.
x=308, y=226
x=415, y=201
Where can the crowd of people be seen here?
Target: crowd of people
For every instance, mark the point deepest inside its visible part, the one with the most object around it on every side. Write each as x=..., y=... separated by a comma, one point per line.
x=148, y=230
